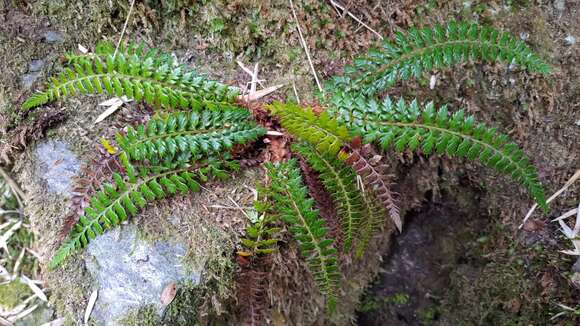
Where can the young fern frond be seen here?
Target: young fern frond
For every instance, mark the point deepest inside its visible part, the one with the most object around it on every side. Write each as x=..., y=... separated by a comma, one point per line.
x=183, y=136
x=156, y=82
x=340, y=181
x=259, y=238
x=422, y=127
x=116, y=202
x=290, y=201
x=425, y=49
x=323, y=132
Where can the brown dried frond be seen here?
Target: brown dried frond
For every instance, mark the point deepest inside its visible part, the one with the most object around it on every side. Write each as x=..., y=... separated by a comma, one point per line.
x=368, y=165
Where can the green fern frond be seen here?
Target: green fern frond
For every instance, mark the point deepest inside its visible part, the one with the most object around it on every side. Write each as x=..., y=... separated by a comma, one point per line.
x=323, y=131
x=289, y=197
x=184, y=136
x=105, y=48
x=340, y=181
x=121, y=75
x=421, y=50
x=259, y=238
x=374, y=214
x=412, y=126
x=125, y=197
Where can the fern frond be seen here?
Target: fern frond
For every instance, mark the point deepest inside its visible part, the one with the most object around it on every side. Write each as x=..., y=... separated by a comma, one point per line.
x=184, y=136
x=125, y=197
x=340, y=181
x=105, y=48
x=323, y=131
x=374, y=214
x=410, y=125
x=374, y=179
x=421, y=50
x=161, y=85
x=259, y=238
x=290, y=200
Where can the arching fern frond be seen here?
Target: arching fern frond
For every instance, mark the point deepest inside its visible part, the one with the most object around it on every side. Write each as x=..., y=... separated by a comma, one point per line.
x=125, y=197
x=410, y=125
x=425, y=49
x=340, y=181
x=322, y=131
x=161, y=85
x=290, y=200
x=184, y=136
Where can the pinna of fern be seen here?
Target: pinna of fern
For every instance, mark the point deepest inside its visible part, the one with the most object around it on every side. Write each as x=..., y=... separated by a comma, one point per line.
x=116, y=202
x=289, y=200
x=425, y=49
x=423, y=127
x=184, y=136
x=136, y=75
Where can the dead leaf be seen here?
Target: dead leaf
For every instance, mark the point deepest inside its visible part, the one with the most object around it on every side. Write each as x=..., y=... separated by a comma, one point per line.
x=90, y=306
x=168, y=294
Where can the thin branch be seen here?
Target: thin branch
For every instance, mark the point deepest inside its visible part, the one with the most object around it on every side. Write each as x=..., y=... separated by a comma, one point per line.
x=344, y=10
x=124, y=28
x=570, y=181
x=305, y=47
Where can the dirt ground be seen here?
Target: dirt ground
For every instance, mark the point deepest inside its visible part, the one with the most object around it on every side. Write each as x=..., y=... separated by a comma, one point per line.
x=497, y=274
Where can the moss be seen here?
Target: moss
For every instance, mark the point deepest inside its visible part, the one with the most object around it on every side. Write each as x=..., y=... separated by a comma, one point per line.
x=184, y=310
x=11, y=294
x=144, y=316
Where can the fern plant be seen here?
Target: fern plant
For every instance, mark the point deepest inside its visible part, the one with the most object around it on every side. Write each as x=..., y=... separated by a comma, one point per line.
x=175, y=151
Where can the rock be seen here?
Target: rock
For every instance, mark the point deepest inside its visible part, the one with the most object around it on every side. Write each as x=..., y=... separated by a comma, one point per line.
x=576, y=266
x=53, y=37
x=131, y=273
x=36, y=65
x=560, y=5
x=40, y=316
x=29, y=79
x=570, y=40
x=56, y=166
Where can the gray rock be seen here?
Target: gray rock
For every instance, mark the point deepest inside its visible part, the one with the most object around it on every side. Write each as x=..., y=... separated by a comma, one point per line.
x=56, y=166
x=36, y=65
x=41, y=315
x=53, y=37
x=131, y=272
x=29, y=79
x=560, y=5
x=570, y=40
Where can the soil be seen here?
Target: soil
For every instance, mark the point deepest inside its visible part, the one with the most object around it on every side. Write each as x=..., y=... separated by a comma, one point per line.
x=496, y=274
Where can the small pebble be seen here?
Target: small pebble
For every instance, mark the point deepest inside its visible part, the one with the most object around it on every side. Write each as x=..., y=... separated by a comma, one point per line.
x=524, y=36
x=53, y=37
x=570, y=40
x=36, y=65
x=29, y=79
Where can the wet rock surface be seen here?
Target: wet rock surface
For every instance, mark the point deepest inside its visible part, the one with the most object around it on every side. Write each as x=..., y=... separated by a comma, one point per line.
x=131, y=273
x=56, y=166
